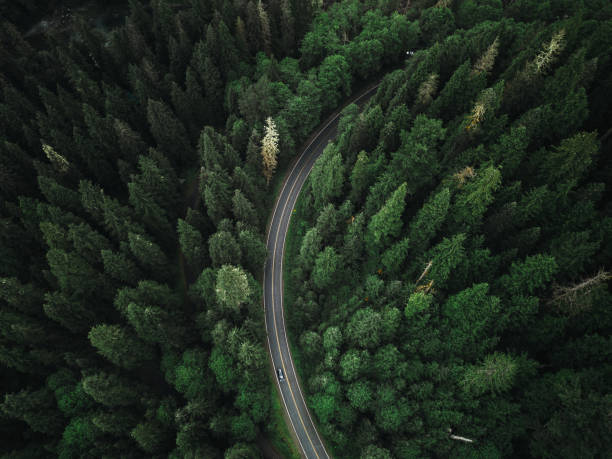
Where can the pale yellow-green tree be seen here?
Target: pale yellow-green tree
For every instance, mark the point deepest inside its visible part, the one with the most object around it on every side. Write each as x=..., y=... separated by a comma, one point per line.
x=487, y=60
x=232, y=287
x=59, y=162
x=427, y=91
x=549, y=53
x=264, y=22
x=269, y=149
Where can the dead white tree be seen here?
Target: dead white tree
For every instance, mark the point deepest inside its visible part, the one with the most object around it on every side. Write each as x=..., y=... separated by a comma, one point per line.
x=574, y=299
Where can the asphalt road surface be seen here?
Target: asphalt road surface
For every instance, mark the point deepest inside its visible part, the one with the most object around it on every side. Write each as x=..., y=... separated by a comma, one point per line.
x=293, y=400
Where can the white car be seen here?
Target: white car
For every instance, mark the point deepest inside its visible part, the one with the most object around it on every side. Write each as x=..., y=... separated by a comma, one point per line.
x=279, y=372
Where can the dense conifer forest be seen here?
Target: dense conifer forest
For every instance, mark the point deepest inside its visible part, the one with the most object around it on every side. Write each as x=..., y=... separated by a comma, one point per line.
x=453, y=246
x=450, y=253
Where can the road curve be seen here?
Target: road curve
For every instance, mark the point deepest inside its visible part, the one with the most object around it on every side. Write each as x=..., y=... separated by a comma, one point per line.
x=310, y=442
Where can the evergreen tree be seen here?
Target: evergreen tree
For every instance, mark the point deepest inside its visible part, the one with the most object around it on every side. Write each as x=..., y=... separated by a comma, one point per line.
x=190, y=240
x=111, y=390
x=168, y=131
x=325, y=267
x=117, y=344
x=148, y=253
x=327, y=177
x=496, y=374
x=244, y=210
x=232, y=287
x=223, y=248
x=387, y=222
x=269, y=149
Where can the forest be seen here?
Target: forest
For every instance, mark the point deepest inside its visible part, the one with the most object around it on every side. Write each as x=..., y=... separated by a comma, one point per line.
x=448, y=262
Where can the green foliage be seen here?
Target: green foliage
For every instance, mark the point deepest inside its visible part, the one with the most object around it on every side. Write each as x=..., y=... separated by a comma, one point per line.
x=117, y=344
x=436, y=23
x=78, y=437
x=232, y=287
x=190, y=240
x=253, y=250
x=428, y=221
x=327, y=177
x=364, y=328
x=223, y=248
x=474, y=198
x=445, y=256
x=326, y=265
x=495, y=374
x=190, y=379
x=334, y=80
x=387, y=222
x=149, y=436
x=223, y=367
x=111, y=390
x=148, y=253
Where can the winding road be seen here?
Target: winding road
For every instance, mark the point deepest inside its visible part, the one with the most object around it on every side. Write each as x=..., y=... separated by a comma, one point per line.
x=310, y=442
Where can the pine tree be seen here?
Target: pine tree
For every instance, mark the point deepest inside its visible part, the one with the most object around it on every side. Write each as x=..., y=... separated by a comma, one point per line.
x=395, y=255
x=120, y=346
x=326, y=265
x=426, y=92
x=445, y=256
x=209, y=155
x=149, y=254
x=36, y=408
x=130, y=142
x=60, y=163
x=69, y=311
x=269, y=149
x=191, y=242
x=475, y=197
x=264, y=27
x=241, y=35
x=496, y=374
x=310, y=248
x=216, y=193
x=223, y=249
x=387, y=223
x=567, y=163
x=428, y=220
x=23, y=297
x=150, y=436
x=244, y=210
x=169, y=133
x=116, y=422
x=487, y=60
x=253, y=249
x=213, y=88
x=112, y=390
x=118, y=266
x=232, y=287
x=287, y=27
x=327, y=177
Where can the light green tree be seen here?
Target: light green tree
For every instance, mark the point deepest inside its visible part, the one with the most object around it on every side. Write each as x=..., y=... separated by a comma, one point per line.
x=496, y=374
x=232, y=287
x=387, y=222
x=327, y=177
